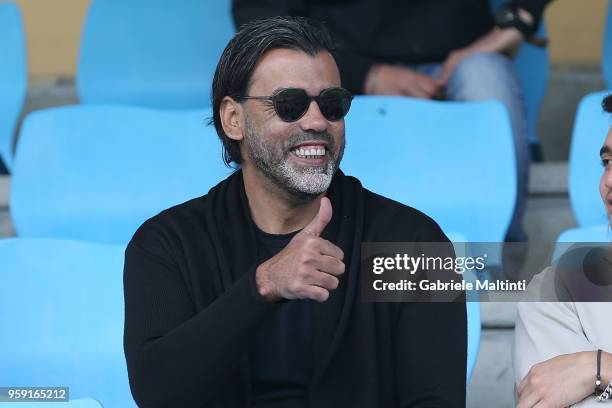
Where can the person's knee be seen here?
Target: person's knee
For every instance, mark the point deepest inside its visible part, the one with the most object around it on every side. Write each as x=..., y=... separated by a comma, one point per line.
x=483, y=76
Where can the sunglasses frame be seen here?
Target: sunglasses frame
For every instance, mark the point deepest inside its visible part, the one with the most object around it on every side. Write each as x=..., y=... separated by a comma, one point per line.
x=274, y=99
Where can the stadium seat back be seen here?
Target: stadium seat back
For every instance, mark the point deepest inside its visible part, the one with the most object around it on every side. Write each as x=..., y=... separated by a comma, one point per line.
x=152, y=53
x=588, y=235
x=61, y=304
x=455, y=161
x=590, y=129
x=13, y=76
x=96, y=172
x=462, y=248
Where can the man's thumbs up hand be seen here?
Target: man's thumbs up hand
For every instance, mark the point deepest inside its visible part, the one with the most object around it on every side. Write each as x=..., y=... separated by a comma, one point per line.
x=307, y=268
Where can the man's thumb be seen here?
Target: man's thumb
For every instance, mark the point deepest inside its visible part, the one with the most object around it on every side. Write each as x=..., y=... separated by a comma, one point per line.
x=320, y=221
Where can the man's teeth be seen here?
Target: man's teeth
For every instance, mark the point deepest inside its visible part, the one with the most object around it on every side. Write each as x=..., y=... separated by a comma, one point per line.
x=310, y=152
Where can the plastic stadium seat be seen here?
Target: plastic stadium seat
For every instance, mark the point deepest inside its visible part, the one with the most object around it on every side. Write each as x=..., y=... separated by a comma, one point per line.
x=606, y=62
x=533, y=68
x=473, y=307
x=95, y=172
x=78, y=403
x=455, y=161
x=13, y=76
x=474, y=332
x=590, y=129
x=592, y=235
x=61, y=307
x=154, y=53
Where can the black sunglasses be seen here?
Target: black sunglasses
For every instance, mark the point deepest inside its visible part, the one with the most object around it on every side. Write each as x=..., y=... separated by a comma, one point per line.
x=291, y=104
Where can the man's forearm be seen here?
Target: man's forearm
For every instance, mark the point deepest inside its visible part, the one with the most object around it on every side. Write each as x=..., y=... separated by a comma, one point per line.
x=502, y=39
x=187, y=365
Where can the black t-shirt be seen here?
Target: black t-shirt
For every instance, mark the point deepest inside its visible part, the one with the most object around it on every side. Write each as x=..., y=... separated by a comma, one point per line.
x=281, y=351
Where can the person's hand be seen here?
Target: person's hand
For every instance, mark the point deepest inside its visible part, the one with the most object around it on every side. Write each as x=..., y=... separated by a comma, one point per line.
x=558, y=382
x=394, y=80
x=307, y=268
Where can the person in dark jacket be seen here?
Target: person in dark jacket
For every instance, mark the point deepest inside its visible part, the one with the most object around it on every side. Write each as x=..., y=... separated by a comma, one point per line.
x=249, y=295
x=433, y=49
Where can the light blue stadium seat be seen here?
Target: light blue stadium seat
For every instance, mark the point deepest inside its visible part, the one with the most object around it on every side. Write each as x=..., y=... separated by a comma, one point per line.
x=77, y=403
x=154, y=53
x=589, y=235
x=96, y=172
x=13, y=76
x=590, y=129
x=461, y=246
x=533, y=68
x=474, y=332
x=61, y=310
x=606, y=62
x=455, y=161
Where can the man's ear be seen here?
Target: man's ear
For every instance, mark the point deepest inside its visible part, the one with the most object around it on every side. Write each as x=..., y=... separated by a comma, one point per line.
x=231, y=113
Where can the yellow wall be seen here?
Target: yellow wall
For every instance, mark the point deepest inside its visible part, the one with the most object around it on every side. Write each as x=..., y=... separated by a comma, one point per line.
x=53, y=29
x=576, y=30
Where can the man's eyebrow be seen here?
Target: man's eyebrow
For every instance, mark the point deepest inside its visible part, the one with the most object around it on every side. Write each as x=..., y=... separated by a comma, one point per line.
x=605, y=150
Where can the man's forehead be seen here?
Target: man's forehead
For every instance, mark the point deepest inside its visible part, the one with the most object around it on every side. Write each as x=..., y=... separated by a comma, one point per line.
x=607, y=146
x=284, y=68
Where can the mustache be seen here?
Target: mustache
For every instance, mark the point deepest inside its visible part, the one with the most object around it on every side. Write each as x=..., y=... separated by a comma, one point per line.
x=298, y=138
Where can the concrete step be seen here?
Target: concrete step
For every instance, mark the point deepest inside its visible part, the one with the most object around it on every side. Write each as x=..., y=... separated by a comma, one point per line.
x=5, y=184
x=548, y=179
x=492, y=382
x=567, y=85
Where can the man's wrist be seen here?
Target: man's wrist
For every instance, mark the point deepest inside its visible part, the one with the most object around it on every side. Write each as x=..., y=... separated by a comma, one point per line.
x=263, y=285
x=606, y=367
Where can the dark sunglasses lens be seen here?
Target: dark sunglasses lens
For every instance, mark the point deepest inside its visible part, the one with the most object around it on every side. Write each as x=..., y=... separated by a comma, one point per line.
x=335, y=103
x=291, y=104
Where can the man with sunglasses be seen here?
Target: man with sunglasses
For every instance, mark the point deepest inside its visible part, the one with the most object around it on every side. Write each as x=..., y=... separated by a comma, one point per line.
x=249, y=295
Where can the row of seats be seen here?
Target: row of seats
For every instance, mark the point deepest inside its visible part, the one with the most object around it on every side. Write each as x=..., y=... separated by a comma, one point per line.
x=64, y=298
x=105, y=169
x=125, y=58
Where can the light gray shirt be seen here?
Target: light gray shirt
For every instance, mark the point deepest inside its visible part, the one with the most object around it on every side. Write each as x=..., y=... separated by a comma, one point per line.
x=545, y=330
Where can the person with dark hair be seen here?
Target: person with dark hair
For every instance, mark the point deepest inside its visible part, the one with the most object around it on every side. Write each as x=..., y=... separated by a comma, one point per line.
x=563, y=344
x=433, y=49
x=249, y=295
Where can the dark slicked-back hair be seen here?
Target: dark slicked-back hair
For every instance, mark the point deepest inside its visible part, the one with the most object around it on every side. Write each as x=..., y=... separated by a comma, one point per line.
x=606, y=104
x=243, y=52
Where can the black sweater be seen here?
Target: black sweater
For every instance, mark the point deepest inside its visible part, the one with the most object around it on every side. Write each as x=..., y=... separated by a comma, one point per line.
x=192, y=308
x=388, y=31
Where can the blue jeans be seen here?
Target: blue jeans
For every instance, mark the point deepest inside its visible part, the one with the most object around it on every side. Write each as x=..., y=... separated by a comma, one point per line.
x=485, y=76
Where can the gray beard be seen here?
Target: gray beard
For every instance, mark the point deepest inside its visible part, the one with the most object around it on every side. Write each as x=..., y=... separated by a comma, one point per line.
x=302, y=182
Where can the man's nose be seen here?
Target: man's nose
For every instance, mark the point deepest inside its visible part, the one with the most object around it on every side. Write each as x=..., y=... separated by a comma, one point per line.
x=313, y=119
